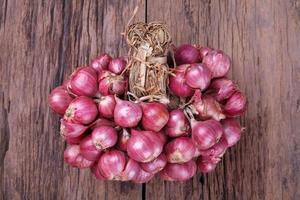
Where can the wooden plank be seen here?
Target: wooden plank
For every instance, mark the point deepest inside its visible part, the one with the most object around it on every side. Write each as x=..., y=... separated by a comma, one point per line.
x=262, y=37
x=42, y=42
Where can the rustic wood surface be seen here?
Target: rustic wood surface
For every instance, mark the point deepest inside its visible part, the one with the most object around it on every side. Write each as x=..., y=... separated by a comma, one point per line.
x=41, y=42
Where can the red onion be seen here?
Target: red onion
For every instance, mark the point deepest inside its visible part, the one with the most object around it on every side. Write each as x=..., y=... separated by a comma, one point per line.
x=206, y=133
x=217, y=62
x=232, y=131
x=123, y=139
x=144, y=146
x=163, y=175
x=117, y=65
x=156, y=165
x=109, y=83
x=106, y=106
x=130, y=172
x=177, y=125
x=180, y=150
x=101, y=62
x=198, y=76
x=180, y=172
x=102, y=122
x=59, y=100
x=72, y=133
x=162, y=136
x=217, y=150
x=177, y=84
x=73, y=157
x=84, y=82
x=111, y=164
x=143, y=177
x=127, y=114
x=88, y=149
x=186, y=54
x=197, y=153
x=235, y=105
x=204, y=51
x=81, y=110
x=104, y=137
x=95, y=170
x=155, y=116
x=208, y=108
x=205, y=165
x=222, y=88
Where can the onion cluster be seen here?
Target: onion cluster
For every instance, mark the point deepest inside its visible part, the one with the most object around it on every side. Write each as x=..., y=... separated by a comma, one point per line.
x=133, y=140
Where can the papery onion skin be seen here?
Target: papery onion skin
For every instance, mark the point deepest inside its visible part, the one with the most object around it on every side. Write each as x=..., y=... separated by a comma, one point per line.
x=186, y=54
x=198, y=76
x=155, y=116
x=206, y=133
x=59, y=100
x=84, y=82
x=205, y=165
x=88, y=149
x=131, y=171
x=143, y=177
x=72, y=132
x=163, y=175
x=208, y=108
x=127, y=114
x=180, y=172
x=144, y=146
x=104, y=137
x=232, y=131
x=217, y=150
x=102, y=122
x=222, y=88
x=81, y=110
x=123, y=139
x=106, y=106
x=180, y=150
x=96, y=172
x=73, y=157
x=111, y=164
x=178, y=124
x=155, y=165
x=235, y=105
x=110, y=84
x=178, y=86
x=218, y=63
x=117, y=65
x=101, y=62
x=203, y=51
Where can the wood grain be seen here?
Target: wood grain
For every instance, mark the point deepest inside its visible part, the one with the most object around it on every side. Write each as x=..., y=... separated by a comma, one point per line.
x=41, y=42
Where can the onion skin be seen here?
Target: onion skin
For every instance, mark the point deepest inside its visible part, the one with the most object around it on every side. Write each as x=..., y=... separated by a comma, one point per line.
x=222, y=88
x=163, y=175
x=111, y=164
x=88, y=150
x=117, y=65
x=178, y=124
x=131, y=171
x=208, y=108
x=235, y=105
x=73, y=157
x=203, y=51
x=102, y=122
x=96, y=172
x=127, y=114
x=177, y=84
x=155, y=165
x=110, y=84
x=84, y=82
x=123, y=139
x=186, y=54
x=104, y=137
x=155, y=116
x=81, y=110
x=232, y=131
x=207, y=133
x=216, y=151
x=101, y=62
x=180, y=150
x=217, y=62
x=72, y=132
x=59, y=100
x=143, y=177
x=106, y=106
x=205, y=165
x=144, y=146
x=198, y=76
x=180, y=172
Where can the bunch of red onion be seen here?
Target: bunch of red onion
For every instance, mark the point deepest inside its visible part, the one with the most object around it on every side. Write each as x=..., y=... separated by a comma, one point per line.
x=134, y=140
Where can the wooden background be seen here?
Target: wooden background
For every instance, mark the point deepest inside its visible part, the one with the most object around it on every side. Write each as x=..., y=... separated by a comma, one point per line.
x=41, y=42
